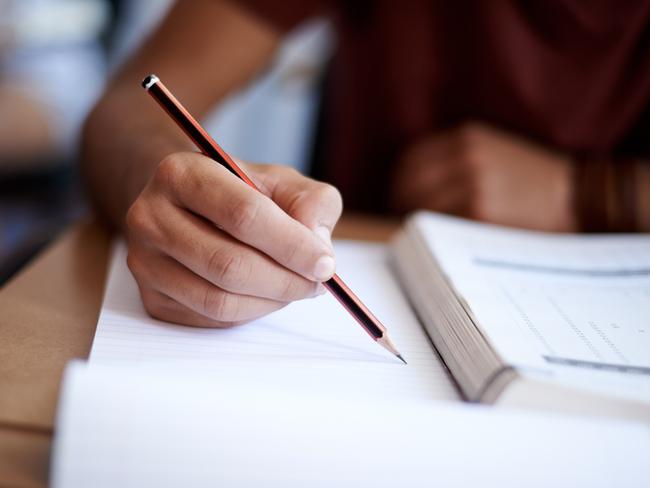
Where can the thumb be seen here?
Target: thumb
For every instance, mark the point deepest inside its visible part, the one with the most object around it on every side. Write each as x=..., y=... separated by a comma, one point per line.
x=315, y=204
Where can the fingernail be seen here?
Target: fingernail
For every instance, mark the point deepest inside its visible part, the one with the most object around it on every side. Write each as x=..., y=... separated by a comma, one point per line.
x=324, y=268
x=324, y=233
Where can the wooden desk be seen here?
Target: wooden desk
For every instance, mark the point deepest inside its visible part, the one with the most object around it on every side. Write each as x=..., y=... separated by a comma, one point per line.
x=48, y=315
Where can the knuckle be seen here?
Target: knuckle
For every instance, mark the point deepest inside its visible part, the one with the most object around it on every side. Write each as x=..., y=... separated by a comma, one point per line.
x=229, y=269
x=154, y=309
x=332, y=196
x=170, y=171
x=298, y=203
x=220, y=305
x=290, y=290
x=141, y=222
x=154, y=305
x=291, y=250
x=137, y=218
x=282, y=170
x=244, y=213
x=134, y=264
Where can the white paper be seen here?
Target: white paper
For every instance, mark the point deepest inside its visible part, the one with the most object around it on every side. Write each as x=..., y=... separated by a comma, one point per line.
x=126, y=427
x=571, y=307
x=312, y=345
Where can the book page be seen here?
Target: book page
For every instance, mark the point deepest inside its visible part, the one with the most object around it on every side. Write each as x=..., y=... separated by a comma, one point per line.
x=308, y=346
x=120, y=426
x=558, y=306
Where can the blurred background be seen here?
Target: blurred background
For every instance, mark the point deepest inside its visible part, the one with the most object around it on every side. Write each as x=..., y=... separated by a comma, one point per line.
x=55, y=56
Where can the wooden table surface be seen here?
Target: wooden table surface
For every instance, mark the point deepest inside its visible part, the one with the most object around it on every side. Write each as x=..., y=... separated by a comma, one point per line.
x=48, y=314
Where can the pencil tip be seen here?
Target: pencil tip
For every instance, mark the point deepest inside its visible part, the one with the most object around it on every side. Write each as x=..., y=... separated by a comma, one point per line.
x=386, y=343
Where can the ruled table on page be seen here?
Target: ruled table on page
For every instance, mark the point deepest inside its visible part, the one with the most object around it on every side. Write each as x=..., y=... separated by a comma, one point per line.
x=569, y=305
x=310, y=344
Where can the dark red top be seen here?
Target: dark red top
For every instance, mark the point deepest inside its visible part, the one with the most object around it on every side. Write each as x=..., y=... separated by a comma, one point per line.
x=572, y=75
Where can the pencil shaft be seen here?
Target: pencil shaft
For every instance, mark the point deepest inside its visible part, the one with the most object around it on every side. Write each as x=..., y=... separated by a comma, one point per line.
x=357, y=309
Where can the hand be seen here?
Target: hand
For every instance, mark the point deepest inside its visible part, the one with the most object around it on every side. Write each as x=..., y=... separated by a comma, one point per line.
x=482, y=173
x=208, y=250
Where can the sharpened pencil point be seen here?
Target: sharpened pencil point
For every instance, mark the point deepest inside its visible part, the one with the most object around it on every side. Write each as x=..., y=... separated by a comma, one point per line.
x=387, y=344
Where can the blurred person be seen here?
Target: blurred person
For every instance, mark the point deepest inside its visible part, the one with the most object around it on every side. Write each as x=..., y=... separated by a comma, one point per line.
x=52, y=70
x=529, y=114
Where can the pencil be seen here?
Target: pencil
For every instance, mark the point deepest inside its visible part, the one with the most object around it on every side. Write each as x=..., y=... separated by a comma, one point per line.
x=211, y=149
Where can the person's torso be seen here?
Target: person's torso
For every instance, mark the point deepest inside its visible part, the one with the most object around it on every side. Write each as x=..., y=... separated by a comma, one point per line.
x=571, y=75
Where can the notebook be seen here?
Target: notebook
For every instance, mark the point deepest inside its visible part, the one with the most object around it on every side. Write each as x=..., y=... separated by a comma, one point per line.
x=130, y=425
x=533, y=319
x=310, y=345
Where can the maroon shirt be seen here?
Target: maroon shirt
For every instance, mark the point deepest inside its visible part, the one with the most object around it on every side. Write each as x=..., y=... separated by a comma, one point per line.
x=572, y=75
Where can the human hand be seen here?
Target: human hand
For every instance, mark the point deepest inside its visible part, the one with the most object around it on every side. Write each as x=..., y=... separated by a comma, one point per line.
x=208, y=250
x=486, y=174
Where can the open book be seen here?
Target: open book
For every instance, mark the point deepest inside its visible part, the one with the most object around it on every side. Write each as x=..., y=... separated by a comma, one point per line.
x=519, y=318
x=533, y=319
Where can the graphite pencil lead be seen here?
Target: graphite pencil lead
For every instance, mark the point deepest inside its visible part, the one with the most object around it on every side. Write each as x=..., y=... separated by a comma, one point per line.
x=387, y=344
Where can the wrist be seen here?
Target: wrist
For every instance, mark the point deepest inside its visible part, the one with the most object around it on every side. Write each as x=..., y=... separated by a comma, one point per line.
x=150, y=146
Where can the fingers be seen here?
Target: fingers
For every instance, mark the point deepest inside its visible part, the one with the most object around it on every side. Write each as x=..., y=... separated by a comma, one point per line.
x=161, y=276
x=208, y=250
x=219, y=258
x=317, y=205
x=162, y=307
x=209, y=190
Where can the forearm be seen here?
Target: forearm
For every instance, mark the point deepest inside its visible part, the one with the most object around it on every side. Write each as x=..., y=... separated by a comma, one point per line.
x=203, y=50
x=123, y=142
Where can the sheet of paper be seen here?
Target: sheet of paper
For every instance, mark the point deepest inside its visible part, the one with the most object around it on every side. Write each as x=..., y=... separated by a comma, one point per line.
x=569, y=306
x=126, y=427
x=312, y=345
